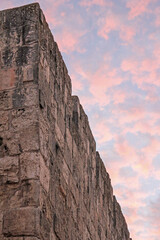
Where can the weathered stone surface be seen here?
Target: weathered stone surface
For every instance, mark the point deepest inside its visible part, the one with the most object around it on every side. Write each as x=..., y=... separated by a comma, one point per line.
x=3, y=121
x=21, y=221
x=30, y=165
x=44, y=174
x=9, y=78
x=9, y=170
x=53, y=183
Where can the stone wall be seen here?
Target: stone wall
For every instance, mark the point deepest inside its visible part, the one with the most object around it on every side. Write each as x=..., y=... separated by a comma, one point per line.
x=53, y=183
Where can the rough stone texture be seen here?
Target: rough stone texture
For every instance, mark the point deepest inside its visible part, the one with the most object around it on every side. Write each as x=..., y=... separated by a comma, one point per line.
x=53, y=183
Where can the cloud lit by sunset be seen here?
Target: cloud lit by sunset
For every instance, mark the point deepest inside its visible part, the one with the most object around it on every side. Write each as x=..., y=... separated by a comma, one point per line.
x=112, y=52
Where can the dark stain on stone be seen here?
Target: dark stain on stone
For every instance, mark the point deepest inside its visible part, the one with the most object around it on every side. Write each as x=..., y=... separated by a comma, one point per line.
x=7, y=57
x=1, y=141
x=21, y=58
x=18, y=99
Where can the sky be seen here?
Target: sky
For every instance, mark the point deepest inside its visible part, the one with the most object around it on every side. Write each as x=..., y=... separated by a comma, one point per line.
x=112, y=51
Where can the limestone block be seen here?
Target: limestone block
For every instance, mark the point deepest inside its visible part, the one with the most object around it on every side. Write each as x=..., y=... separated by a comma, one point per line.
x=1, y=222
x=3, y=121
x=21, y=221
x=31, y=95
x=69, y=139
x=25, y=96
x=74, y=190
x=86, y=234
x=29, y=138
x=52, y=236
x=26, y=55
x=61, y=122
x=45, y=226
x=59, y=137
x=44, y=138
x=5, y=100
x=9, y=144
x=30, y=165
x=7, y=78
x=14, y=38
x=28, y=74
x=27, y=194
x=22, y=118
x=44, y=174
x=30, y=33
x=9, y=169
x=68, y=157
x=65, y=171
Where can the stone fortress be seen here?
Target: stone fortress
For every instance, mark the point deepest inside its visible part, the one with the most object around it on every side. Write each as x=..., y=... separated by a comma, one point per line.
x=53, y=183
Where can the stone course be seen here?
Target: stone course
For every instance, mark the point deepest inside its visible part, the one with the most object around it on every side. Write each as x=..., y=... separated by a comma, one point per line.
x=53, y=183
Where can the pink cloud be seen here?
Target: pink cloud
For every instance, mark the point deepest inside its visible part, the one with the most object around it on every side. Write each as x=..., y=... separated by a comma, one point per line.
x=139, y=160
x=76, y=84
x=130, y=65
x=125, y=151
x=144, y=70
x=133, y=114
x=110, y=24
x=102, y=80
x=149, y=64
x=127, y=33
x=157, y=21
x=69, y=28
x=118, y=96
x=52, y=11
x=156, y=53
x=152, y=149
x=137, y=7
x=68, y=41
x=144, y=127
x=113, y=22
x=89, y=3
x=102, y=131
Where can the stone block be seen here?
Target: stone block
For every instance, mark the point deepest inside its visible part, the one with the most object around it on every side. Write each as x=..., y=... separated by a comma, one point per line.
x=30, y=33
x=28, y=73
x=15, y=37
x=5, y=100
x=9, y=169
x=31, y=95
x=9, y=144
x=44, y=138
x=24, y=117
x=7, y=78
x=65, y=171
x=27, y=194
x=29, y=138
x=21, y=221
x=26, y=55
x=52, y=236
x=59, y=137
x=1, y=222
x=30, y=165
x=44, y=174
x=68, y=139
x=4, y=121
